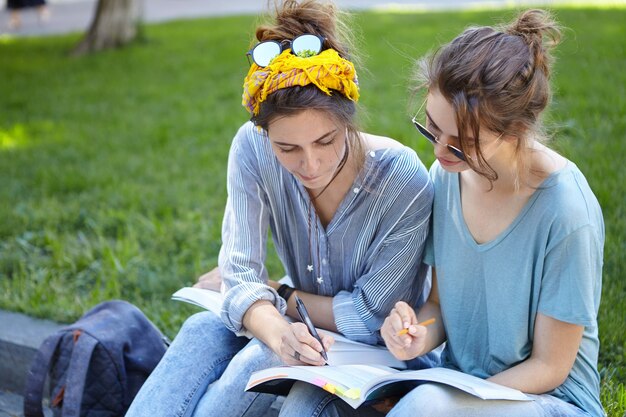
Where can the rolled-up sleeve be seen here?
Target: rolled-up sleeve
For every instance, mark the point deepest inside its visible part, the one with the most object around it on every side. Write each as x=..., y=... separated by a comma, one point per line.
x=244, y=235
x=394, y=272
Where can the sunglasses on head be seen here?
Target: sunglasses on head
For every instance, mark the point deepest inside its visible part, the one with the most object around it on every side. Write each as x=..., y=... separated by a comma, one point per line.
x=304, y=46
x=434, y=139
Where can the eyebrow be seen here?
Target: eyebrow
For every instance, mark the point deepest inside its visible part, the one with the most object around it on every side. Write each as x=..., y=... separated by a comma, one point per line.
x=324, y=136
x=437, y=127
x=433, y=122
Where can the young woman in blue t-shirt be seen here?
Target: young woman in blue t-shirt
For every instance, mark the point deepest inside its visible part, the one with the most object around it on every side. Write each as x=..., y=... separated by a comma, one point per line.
x=517, y=235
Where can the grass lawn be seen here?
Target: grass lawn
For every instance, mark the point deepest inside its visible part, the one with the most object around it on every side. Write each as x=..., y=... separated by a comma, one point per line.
x=112, y=167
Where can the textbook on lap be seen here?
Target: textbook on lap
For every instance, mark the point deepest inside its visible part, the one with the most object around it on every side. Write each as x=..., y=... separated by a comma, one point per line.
x=356, y=384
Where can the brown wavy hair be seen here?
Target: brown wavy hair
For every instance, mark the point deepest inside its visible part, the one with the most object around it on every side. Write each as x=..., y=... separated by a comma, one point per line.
x=290, y=19
x=497, y=78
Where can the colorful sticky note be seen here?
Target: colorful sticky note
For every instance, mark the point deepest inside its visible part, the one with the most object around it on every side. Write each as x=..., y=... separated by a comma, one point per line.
x=330, y=388
x=319, y=382
x=353, y=393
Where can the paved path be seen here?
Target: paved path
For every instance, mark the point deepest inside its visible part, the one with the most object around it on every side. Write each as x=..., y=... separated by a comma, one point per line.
x=75, y=15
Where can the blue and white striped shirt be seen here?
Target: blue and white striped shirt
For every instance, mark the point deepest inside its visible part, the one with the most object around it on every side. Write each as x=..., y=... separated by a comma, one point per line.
x=369, y=254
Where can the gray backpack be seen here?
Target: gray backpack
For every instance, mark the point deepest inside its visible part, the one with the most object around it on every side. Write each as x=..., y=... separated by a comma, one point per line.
x=96, y=365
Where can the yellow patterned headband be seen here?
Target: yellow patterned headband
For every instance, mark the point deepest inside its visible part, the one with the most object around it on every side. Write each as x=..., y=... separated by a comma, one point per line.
x=327, y=70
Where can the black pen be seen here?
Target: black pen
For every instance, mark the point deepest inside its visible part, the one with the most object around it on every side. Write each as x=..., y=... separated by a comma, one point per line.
x=304, y=316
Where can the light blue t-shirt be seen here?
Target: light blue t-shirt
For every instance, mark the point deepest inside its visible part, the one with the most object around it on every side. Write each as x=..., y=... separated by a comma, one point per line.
x=548, y=260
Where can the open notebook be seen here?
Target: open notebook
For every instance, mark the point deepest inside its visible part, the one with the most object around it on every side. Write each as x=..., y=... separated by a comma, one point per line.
x=343, y=352
x=356, y=384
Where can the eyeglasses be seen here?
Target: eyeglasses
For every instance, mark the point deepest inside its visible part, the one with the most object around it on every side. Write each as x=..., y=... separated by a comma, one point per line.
x=434, y=139
x=304, y=46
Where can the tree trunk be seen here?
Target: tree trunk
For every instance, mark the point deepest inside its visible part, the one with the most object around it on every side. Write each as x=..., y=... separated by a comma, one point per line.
x=115, y=24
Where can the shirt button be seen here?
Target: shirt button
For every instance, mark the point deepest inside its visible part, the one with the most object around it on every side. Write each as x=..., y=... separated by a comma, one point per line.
x=324, y=261
x=356, y=190
x=372, y=154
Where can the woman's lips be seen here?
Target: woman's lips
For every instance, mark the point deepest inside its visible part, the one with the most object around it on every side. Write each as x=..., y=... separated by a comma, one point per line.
x=308, y=179
x=448, y=163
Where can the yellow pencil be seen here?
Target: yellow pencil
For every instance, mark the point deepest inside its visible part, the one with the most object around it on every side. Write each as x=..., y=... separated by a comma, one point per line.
x=424, y=323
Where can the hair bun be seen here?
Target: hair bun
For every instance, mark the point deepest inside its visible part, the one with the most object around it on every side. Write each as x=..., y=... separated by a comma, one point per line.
x=540, y=32
x=535, y=25
x=291, y=18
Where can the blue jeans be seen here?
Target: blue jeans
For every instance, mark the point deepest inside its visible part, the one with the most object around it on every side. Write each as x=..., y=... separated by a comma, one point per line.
x=444, y=401
x=204, y=373
x=306, y=400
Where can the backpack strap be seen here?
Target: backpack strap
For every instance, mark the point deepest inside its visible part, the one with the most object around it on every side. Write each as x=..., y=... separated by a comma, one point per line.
x=77, y=374
x=37, y=375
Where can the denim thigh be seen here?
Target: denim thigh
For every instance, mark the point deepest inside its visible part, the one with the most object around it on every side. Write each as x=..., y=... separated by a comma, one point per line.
x=227, y=395
x=197, y=357
x=445, y=401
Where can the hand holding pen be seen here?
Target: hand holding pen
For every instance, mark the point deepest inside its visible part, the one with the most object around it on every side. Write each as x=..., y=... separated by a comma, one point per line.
x=306, y=319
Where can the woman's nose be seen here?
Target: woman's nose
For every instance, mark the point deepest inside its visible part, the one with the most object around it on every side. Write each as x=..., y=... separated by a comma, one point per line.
x=310, y=162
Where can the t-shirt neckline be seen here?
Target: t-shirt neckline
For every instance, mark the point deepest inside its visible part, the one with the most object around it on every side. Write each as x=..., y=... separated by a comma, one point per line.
x=467, y=235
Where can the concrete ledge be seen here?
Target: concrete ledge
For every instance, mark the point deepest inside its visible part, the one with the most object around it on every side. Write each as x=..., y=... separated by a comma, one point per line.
x=11, y=405
x=20, y=337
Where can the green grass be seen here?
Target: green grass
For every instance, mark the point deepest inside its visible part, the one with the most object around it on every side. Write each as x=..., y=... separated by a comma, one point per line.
x=112, y=167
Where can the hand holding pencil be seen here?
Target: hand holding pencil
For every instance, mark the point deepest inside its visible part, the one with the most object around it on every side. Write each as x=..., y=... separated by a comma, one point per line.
x=404, y=334
x=405, y=330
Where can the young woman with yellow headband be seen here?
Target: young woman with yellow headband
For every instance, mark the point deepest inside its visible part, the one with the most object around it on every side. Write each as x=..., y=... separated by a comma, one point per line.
x=348, y=213
x=516, y=243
